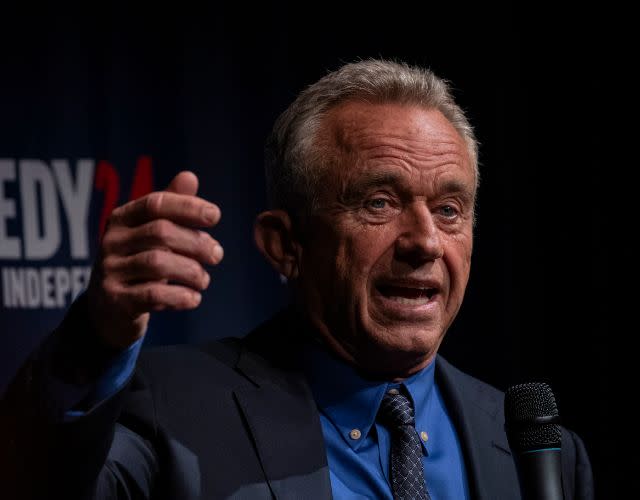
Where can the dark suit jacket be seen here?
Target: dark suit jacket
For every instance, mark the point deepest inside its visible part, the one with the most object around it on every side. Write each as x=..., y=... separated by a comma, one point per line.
x=235, y=419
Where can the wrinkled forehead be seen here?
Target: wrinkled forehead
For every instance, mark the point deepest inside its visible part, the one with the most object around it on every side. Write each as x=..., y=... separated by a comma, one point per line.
x=358, y=130
x=349, y=120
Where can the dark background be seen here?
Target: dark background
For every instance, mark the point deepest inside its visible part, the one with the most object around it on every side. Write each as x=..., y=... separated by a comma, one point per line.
x=200, y=90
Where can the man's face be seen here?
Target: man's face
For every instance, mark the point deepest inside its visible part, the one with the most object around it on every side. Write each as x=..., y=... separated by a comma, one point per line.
x=387, y=258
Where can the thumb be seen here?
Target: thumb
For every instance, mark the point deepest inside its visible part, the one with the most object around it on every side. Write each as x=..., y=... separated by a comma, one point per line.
x=184, y=183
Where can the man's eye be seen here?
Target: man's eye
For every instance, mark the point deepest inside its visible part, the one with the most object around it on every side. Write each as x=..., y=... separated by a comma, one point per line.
x=448, y=211
x=377, y=203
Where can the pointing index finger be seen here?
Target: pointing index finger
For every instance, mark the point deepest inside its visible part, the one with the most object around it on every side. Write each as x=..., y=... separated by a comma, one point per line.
x=182, y=209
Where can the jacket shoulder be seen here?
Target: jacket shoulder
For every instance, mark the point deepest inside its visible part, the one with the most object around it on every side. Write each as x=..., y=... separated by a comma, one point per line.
x=216, y=360
x=577, y=476
x=470, y=385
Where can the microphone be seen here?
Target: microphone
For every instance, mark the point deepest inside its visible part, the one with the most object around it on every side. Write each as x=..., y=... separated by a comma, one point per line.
x=531, y=423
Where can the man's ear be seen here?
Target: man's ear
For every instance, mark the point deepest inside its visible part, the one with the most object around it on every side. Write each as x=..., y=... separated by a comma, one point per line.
x=274, y=236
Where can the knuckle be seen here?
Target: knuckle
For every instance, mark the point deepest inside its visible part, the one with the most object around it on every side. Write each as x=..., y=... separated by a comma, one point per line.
x=114, y=217
x=152, y=295
x=109, y=264
x=106, y=245
x=187, y=273
x=185, y=204
x=154, y=258
x=153, y=202
x=109, y=241
x=112, y=290
x=160, y=229
x=206, y=238
x=195, y=273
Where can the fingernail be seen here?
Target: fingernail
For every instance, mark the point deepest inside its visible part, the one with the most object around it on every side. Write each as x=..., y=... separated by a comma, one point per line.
x=218, y=253
x=207, y=279
x=197, y=298
x=210, y=214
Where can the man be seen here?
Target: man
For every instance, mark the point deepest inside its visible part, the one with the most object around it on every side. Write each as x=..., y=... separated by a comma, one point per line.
x=372, y=174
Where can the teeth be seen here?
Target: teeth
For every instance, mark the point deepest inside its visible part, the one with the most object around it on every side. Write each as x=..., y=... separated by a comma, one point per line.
x=408, y=301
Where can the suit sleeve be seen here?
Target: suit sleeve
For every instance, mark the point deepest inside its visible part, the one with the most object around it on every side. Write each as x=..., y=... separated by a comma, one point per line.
x=577, y=477
x=104, y=452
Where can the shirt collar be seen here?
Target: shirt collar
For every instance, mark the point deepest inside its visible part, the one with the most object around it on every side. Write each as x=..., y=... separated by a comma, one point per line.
x=351, y=401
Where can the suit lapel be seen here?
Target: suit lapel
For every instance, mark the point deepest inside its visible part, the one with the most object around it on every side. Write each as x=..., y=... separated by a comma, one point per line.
x=476, y=411
x=283, y=420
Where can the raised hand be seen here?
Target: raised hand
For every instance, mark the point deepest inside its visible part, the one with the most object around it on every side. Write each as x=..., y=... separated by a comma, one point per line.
x=151, y=258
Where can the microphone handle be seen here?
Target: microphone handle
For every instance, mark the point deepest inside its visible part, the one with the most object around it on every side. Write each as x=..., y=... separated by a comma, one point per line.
x=540, y=474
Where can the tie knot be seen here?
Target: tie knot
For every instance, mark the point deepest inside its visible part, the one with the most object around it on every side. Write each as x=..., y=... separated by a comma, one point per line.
x=396, y=410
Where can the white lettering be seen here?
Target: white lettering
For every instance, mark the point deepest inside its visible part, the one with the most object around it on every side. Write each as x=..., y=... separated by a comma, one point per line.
x=76, y=202
x=46, y=275
x=62, y=285
x=46, y=287
x=16, y=284
x=34, y=174
x=9, y=245
x=32, y=282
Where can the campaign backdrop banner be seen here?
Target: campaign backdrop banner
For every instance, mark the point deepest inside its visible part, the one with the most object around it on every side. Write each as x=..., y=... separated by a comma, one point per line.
x=97, y=110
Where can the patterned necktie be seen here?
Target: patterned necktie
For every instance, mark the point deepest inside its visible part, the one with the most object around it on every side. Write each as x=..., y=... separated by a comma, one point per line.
x=407, y=475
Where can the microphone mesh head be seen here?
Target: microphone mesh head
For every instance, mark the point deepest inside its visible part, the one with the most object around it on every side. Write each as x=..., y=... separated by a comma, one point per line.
x=528, y=409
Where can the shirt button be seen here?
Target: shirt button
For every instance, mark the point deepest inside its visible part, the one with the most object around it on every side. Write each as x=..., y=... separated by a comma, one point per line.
x=393, y=392
x=424, y=436
x=355, y=434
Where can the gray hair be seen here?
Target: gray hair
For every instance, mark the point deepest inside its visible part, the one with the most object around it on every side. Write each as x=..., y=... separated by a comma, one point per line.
x=294, y=155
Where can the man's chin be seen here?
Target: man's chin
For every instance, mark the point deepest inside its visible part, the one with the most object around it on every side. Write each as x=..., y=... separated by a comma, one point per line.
x=399, y=350
x=402, y=333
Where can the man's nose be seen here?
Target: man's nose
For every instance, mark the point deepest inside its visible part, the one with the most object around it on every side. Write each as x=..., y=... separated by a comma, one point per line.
x=420, y=239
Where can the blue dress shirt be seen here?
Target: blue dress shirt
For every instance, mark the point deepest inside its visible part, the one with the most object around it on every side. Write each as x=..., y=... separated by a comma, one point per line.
x=358, y=448
x=112, y=380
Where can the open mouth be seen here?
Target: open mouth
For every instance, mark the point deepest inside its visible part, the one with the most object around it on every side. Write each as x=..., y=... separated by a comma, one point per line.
x=407, y=295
